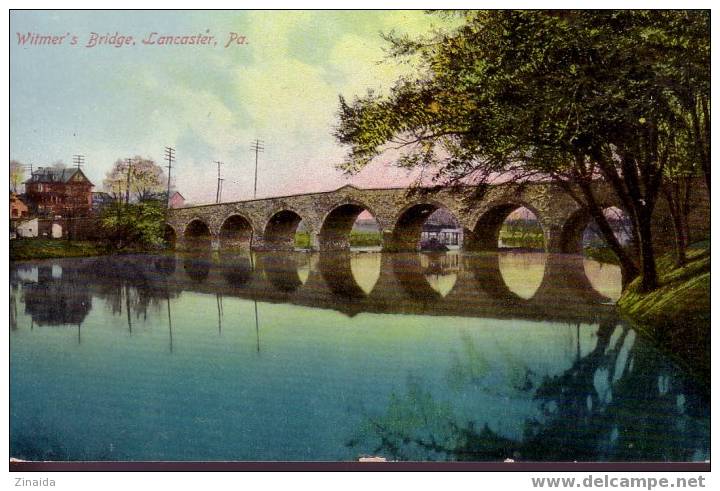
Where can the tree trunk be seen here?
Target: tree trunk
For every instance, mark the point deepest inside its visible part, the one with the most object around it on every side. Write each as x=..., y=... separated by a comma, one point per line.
x=627, y=265
x=647, y=254
x=677, y=195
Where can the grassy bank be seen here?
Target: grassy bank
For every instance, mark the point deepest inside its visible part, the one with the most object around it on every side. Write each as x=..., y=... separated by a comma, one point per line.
x=25, y=249
x=21, y=249
x=676, y=315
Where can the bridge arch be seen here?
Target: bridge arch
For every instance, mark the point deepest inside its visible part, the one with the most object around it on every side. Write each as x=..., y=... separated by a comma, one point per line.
x=236, y=232
x=170, y=236
x=486, y=231
x=408, y=224
x=571, y=236
x=197, y=235
x=279, y=233
x=338, y=223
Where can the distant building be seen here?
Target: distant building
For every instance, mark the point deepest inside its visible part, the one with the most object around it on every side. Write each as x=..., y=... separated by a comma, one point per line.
x=176, y=200
x=18, y=208
x=442, y=228
x=59, y=192
x=100, y=200
x=442, y=234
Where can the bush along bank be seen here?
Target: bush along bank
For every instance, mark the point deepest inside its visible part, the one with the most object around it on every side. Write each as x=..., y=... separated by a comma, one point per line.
x=676, y=316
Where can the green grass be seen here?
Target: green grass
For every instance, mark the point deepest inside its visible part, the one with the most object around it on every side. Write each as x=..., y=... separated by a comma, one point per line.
x=365, y=239
x=601, y=254
x=525, y=237
x=302, y=240
x=21, y=249
x=677, y=314
x=357, y=239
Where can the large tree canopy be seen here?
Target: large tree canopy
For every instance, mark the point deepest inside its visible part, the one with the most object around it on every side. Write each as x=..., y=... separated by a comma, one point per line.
x=138, y=177
x=572, y=96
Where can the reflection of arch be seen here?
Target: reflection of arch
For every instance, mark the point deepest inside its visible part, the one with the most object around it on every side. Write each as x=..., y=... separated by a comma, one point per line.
x=170, y=236
x=486, y=270
x=197, y=235
x=197, y=267
x=565, y=280
x=337, y=272
x=281, y=270
x=487, y=228
x=237, y=269
x=280, y=230
x=408, y=226
x=410, y=273
x=235, y=232
x=605, y=278
x=337, y=224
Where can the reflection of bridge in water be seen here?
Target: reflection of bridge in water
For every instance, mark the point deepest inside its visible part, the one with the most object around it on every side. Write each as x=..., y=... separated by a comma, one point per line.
x=404, y=284
x=552, y=287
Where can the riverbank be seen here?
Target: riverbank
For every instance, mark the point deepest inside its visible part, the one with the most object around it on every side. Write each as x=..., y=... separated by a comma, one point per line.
x=25, y=249
x=676, y=316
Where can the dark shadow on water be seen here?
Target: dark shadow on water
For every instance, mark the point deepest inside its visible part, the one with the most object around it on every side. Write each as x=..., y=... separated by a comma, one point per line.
x=621, y=402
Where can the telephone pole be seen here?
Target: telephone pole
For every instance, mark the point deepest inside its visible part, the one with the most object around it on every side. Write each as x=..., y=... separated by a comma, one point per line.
x=219, y=181
x=128, y=162
x=170, y=158
x=257, y=146
x=79, y=161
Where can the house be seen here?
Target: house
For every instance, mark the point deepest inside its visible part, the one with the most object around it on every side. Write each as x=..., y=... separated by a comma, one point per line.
x=176, y=200
x=28, y=228
x=18, y=208
x=100, y=200
x=442, y=234
x=59, y=192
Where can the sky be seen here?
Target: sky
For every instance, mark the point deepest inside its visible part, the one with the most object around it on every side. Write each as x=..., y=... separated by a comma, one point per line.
x=209, y=102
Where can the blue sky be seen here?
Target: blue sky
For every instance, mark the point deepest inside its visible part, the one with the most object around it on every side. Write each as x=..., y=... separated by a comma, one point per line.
x=208, y=102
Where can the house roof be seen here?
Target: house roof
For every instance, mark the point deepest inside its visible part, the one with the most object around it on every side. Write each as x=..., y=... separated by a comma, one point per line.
x=178, y=193
x=53, y=174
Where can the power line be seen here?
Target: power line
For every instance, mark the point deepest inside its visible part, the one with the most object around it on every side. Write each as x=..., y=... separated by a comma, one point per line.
x=219, y=181
x=257, y=146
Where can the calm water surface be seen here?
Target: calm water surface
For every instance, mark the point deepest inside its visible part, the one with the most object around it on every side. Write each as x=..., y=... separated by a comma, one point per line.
x=448, y=356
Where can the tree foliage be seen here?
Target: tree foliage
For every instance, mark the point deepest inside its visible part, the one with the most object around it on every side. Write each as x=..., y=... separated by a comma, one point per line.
x=571, y=96
x=135, y=224
x=17, y=175
x=146, y=180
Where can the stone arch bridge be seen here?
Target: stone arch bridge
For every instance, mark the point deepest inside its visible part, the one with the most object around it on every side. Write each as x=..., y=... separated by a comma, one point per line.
x=270, y=223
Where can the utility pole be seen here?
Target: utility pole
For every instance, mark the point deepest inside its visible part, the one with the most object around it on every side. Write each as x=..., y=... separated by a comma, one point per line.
x=219, y=180
x=78, y=161
x=128, y=162
x=170, y=158
x=257, y=146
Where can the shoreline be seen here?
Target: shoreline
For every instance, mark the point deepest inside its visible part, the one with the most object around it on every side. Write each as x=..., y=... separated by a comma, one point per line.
x=676, y=316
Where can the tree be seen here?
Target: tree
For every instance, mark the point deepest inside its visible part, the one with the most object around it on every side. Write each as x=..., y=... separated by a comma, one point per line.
x=17, y=175
x=135, y=224
x=573, y=96
x=146, y=180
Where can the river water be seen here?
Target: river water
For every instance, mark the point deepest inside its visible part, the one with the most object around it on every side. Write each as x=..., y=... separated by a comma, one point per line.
x=298, y=356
